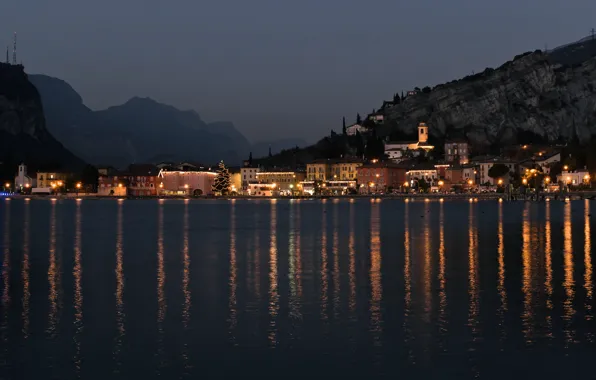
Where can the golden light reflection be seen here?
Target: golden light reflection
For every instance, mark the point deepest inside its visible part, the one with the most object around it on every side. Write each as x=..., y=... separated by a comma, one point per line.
x=407, y=285
x=548, y=282
x=588, y=268
x=473, y=281
x=256, y=280
x=501, y=287
x=232, y=303
x=52, y=275
x=186, y=285
x=375, y=274
x=6, y=276
x=527, y=275
x=427, y=270
x=294, y=259
x=161, y=298
x=77, y=274
x=119, y=271
x=441, y=277
x=352, y=256
x=273, y=280
x=25, y=272
x=324, y=279
x=568, y=283
x=336, y=271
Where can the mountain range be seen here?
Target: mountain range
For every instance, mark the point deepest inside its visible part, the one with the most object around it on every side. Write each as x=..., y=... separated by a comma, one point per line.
x=140, y=130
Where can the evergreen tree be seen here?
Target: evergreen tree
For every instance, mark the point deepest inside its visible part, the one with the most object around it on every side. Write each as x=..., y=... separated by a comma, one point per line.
x=358, y=119
x=221, y=184
x=343, y=129
x=402, y=96
x=250, y=158
x=270, y=155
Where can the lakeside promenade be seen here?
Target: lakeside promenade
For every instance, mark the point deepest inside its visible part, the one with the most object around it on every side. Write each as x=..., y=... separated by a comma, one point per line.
x=414, y=196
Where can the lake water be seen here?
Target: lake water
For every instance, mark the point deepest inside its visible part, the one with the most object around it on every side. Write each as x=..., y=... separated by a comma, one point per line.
x=99, y=289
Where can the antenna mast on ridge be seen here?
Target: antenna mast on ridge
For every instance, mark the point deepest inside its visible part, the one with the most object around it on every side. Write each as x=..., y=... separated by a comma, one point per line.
x=14, y=50
x=592, y=32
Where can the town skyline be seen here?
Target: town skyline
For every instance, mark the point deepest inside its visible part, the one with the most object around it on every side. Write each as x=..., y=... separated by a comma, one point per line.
x=228, y=71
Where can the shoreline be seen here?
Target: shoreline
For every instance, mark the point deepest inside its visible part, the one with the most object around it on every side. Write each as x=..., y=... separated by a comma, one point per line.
x=431, y=196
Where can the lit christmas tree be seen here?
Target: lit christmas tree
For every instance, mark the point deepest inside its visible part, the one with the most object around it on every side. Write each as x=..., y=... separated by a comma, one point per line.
x=221, y=184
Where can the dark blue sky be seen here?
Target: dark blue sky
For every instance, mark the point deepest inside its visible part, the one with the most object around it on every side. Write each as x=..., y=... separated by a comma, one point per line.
x=278, y=68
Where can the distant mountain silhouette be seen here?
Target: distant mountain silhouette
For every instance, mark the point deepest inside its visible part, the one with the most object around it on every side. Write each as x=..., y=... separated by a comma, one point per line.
x=136, y=131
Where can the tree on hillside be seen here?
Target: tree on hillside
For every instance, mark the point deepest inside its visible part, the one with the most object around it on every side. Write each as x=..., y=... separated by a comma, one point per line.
x=358, y=119
x=343, y=128
x=221, y=184
x=250, y=159
x=498, y=171
x=270, y=155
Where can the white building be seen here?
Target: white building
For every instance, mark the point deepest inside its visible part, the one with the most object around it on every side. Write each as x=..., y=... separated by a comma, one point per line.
x=574, y=178
x=426, y=172
x=546, y=160
x=22, y=180
x=396, y=149
x=486, y=163
x=248, y=174
x=262, y=189
x=355, y=128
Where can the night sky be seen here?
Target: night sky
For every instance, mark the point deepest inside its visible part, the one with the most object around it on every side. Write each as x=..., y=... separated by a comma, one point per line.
x=278, y=68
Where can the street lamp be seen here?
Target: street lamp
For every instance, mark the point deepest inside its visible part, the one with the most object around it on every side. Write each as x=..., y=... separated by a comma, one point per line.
x=524, y=181
x=470, y=182
x=500, y=181
x=566, y=167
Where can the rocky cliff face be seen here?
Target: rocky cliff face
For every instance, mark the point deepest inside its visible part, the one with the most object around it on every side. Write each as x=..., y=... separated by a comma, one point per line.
x=23, y=133
x=549, y=96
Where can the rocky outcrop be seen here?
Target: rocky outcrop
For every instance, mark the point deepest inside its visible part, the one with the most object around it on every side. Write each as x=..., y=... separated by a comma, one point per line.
x=23, y=133
x=547, y=96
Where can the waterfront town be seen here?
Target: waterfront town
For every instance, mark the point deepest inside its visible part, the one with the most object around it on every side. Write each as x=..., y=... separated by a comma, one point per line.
x=402, y=169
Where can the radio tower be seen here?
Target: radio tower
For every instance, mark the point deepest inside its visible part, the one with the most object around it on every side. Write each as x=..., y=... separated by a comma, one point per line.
x=14, y=50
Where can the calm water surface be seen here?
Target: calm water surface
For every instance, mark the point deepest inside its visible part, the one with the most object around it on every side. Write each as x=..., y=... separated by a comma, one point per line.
x=101, y=289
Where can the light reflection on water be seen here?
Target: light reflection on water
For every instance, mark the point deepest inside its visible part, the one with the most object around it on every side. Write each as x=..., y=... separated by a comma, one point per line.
x=370, y=286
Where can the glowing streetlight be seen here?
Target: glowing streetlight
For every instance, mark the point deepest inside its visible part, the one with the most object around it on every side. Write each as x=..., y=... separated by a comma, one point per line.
x=470, y=182
x=186, y=186
x=566, y=167
x=524, y=181
x=79, y=185
x=27, y=185
x=587, y=177
x=7, y=185
x=291, y=186
x=119, y=185
x=547, y=179
x=500, y=181
x=441, y=183
x=406, y=184
x=161, y=185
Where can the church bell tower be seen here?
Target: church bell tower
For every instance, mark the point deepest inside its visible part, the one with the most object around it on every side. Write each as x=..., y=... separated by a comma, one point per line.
x=422, y=133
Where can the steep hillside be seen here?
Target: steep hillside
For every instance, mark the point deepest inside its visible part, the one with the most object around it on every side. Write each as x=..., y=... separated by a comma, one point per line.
x=137, y=131
x=23, y=133
x=548, y=96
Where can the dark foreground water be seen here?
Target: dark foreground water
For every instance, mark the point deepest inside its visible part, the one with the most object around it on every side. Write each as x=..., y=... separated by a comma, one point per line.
x=101, y=289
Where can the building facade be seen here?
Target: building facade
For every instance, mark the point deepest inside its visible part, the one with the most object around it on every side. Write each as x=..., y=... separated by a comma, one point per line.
x=51, y=180
x=484, y=166
x=177, y=182
x=456, y=151
x=354, y=129
x=284, y=181
x=22, y=180
x=574, y=178
x=381, y=176
x=142, y=180
x=112, y=185
x=248, y=175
